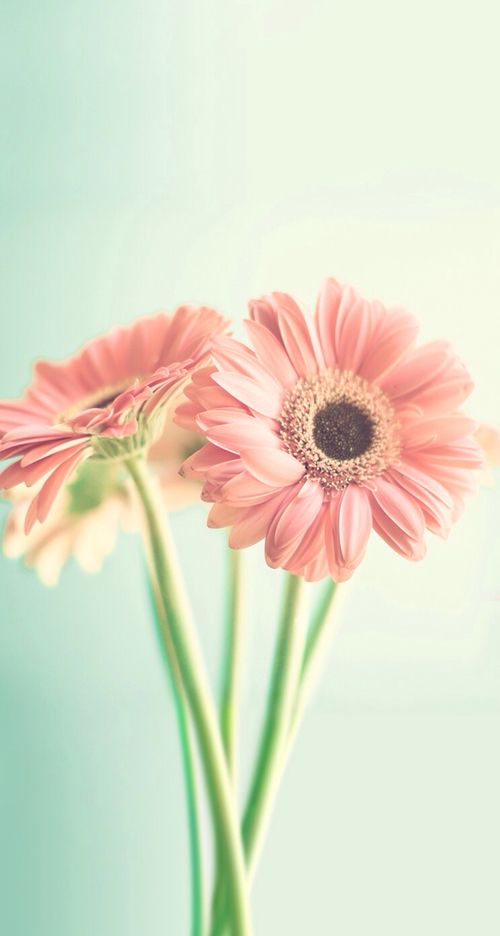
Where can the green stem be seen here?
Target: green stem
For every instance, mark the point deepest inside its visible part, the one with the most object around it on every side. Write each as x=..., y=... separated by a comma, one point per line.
x=188, y=759
x=231, y=672
x=317, y=637
x=273, y=742
x=314, y=648
x=230, y=690
x=197, y=690
x=286, y=667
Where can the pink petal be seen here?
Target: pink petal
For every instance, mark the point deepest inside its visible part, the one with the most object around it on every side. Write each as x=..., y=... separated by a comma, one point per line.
x=60, y=376
x=244, y=490
x=456, y=480
x=395, y=537
x=421, y=484
x=271, y=353
x=440, y=429
x=338, y=570
x=326, y=316
x=191, y=333
x=353, y=328
x=233, y=356
x=40, y=451
x=392, y=342
x=42, y=503
x=29, y=475
x=294, y=521
x=445, y=395
x=464, y=453
x=220, y=415
x=243, y=434
x=297, y=342
x=221, y=515
x=34, y=435
x=15, y=413
x=264, y=312
x=433, y=498
x=272, y=466
x=185, y=415
x=426, y=364
x=355, y=524
x=254, y=523
x=316, y=570
x=224, y=471
x=312, y=544
x=206, y=457
x=250, y=393
x=399, y=506
x=293, y=328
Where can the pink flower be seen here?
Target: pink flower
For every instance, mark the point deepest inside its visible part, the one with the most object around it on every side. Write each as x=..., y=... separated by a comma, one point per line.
x=334, y=425
x=94, y=507
x=106, y=401
x=89, y=535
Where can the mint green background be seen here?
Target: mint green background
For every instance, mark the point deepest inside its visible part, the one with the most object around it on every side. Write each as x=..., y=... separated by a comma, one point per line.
x=161, y=152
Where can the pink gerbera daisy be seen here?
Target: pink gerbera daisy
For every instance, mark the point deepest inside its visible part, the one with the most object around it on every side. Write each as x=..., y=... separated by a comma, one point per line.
x=105, y=402
x=97, y=503
x=333, y=426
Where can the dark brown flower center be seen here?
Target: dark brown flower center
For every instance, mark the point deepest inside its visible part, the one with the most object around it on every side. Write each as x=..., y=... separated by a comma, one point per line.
x=340, y=427
x=342, y=430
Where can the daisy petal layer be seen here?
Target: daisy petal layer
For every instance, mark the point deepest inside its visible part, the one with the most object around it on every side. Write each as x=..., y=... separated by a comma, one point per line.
x=333, y=425
x=111, y=389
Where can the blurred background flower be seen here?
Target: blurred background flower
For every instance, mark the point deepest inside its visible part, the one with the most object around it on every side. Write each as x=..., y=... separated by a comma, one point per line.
x=98, y=504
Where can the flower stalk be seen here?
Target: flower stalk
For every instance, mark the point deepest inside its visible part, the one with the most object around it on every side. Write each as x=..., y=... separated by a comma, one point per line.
x=273, y=743
x=231, y=670
x=188, y=758
x=189, y=661
x=314, y=651
x=282, y=688
x=230, y=691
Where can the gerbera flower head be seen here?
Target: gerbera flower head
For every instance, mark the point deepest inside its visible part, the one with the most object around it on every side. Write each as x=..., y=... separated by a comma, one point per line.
x=334, y=425
x=106, y=402
x=95, y=506
x=84, y=522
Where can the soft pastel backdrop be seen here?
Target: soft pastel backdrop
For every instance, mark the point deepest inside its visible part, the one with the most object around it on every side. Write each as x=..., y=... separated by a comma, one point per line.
x=211, y=150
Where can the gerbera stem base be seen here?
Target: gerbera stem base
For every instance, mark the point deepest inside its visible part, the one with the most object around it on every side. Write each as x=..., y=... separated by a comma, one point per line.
x=188, y=758
x=196, y=687
x=293, y=674
x=282, y=688
x=274, y=739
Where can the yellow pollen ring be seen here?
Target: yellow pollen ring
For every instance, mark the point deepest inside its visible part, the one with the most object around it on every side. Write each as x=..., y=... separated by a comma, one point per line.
x=312, y=395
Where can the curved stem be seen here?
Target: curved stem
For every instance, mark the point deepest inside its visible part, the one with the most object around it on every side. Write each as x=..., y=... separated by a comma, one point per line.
x=188, y=758
x=231, y=671
x=286, y=667
x=197, y=690
x=230, y=690
x=315, y=645
x=273, y=742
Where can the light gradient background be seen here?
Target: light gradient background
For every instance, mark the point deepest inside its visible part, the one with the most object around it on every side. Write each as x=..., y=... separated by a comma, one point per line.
x=160, y=152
